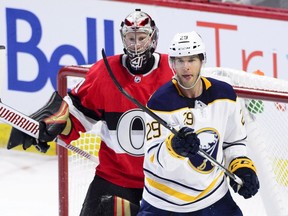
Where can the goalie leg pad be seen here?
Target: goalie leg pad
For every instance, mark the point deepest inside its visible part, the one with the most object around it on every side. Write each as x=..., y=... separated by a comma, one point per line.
x=114, y=205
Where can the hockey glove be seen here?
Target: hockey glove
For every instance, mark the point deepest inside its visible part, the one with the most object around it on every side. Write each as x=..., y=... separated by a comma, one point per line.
x=245, y=169
x=52, y=118
x=185, y=143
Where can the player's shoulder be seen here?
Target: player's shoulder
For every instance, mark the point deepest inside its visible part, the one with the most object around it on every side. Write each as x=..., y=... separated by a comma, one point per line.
x=160, y=98
x=219, y=89
x=99, y=68
x=217, y=83
x=160, y=57
x=115, y=59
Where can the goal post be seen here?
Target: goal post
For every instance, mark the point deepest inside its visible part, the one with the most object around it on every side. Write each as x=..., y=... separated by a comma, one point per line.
x=63, y=76
x=265, y=105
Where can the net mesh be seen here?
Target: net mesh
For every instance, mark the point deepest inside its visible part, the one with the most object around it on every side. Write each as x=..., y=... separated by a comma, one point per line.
x=81, y=169
x=266, y=126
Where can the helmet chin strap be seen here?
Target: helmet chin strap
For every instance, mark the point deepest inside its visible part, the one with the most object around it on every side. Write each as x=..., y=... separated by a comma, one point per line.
x=187, y=88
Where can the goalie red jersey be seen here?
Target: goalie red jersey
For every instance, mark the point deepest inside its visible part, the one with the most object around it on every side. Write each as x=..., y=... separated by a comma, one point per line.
x=97, y=99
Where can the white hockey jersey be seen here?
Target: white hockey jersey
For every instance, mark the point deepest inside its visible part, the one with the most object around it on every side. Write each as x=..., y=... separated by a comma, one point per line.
x=179, y=184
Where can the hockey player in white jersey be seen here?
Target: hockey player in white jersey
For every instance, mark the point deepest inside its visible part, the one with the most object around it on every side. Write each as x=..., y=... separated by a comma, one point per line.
x=208, y=115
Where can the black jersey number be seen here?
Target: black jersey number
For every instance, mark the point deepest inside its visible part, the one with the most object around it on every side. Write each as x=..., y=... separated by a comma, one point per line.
x=131, y=132
x=153, y=130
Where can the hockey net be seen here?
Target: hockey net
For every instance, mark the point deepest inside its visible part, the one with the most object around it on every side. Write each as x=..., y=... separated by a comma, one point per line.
x=264, y=101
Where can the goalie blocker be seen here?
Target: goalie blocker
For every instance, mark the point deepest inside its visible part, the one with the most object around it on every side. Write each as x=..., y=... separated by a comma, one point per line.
x=53, y=120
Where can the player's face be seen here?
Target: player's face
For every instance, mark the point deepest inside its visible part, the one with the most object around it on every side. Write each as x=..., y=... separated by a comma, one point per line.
x=137, y=42
x=187, y=69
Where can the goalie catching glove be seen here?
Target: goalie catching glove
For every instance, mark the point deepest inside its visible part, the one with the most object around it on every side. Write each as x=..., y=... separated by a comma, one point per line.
x=245, y=169
x=185, y=143
x=53, y=118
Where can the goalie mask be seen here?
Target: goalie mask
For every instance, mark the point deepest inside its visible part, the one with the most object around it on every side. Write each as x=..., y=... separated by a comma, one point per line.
x=186, y=44
x=139, y=36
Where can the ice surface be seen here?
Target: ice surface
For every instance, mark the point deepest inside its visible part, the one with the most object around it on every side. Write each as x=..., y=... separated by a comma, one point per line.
x=29, y=186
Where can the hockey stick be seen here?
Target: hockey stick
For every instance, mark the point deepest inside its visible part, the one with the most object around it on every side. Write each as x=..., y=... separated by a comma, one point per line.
x=31, y=127
x=165, y=124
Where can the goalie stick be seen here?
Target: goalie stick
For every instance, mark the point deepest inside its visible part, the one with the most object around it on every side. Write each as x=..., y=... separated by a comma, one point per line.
x=165, y=124
x=30, y=126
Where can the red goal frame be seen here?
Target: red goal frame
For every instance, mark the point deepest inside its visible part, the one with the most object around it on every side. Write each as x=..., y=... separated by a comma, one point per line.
x=63, y=74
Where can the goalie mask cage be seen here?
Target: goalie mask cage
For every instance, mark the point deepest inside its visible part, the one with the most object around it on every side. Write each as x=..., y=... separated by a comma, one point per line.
x=264, y=102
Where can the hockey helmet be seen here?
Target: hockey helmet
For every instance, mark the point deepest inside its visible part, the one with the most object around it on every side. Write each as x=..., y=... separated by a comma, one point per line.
x=187, y=44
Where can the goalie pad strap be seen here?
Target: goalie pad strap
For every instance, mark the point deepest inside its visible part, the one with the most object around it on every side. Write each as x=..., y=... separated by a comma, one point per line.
x=241, y=162
x=121, y=207
x=113, y=206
